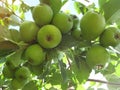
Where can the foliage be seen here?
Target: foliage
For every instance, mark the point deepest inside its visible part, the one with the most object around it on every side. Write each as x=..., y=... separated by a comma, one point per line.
x=65, y=65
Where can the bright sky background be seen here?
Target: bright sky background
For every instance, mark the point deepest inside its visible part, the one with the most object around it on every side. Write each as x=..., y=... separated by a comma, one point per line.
x=68, y=6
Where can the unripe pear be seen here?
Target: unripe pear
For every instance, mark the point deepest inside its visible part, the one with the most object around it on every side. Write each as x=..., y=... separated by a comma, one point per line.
x=35, y=54
x=42, y=14
x=28, y=31
x=97, y=55
x=92, y=25
x=63, y=21
x=22, y=73
x=76, y=33
x=16, y=85
x=49, y=36
x=110, y=37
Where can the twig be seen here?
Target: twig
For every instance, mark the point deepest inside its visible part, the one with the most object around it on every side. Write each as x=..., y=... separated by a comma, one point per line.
x=105, y=82
x=12, y=10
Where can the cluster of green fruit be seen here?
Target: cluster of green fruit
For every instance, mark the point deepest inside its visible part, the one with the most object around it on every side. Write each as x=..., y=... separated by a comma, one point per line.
x=93, y=28
x=46, y=32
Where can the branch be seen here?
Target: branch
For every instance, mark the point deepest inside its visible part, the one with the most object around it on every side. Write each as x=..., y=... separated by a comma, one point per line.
x=105, y=82
x=11, y=10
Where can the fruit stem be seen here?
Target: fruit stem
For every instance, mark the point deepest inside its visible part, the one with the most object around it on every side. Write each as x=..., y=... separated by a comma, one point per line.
x=101, y=81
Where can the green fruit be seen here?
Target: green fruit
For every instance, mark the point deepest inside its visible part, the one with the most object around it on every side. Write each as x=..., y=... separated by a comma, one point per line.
x=22, y=74
x=76, y=33
x=16, y=85
x=30, y=86
x=15, y=35
x=35, y=54
x=92, y=25
x=49, y=36
x=97, y=55
x=42, y=14
x=7, y=72
x=110, y=37
x=28, y=31
x=63, y=21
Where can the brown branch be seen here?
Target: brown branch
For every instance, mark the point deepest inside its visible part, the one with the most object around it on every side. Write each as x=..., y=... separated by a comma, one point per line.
x=105, y=82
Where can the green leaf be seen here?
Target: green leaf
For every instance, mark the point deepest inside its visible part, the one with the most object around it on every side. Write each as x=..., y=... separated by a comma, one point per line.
x=117, y=70
x=7, y=47
x=79, y=67
x=63, y=71
x=102, y=2
x=2, y=60
x=115, y=17
x=14, y=59
x=80, y=8
x=24, y=7
x=111, y=10
x=55, y=5
x=4, y=34
x=64, y=86
x=77, y=6
x=109, y=69
x=67, y=42
x=31, y=86
x=114, y=80
x=64, y=1
x=55, y=79
x=80, y=87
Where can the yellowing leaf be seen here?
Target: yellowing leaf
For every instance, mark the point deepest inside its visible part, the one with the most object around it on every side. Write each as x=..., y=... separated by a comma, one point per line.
x=4, y=12
x=7, y=47
x=4, y=34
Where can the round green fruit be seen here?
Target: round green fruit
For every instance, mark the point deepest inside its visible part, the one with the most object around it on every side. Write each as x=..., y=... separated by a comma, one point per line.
x=76, y=33
x=35, y=54
x=92, y=25
x=42, y=14
x=16, y=85
x=97, y=55
x=22, y=73
x=63, y=21
x=110, y=37
x=28, y=31
x=49, y=36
